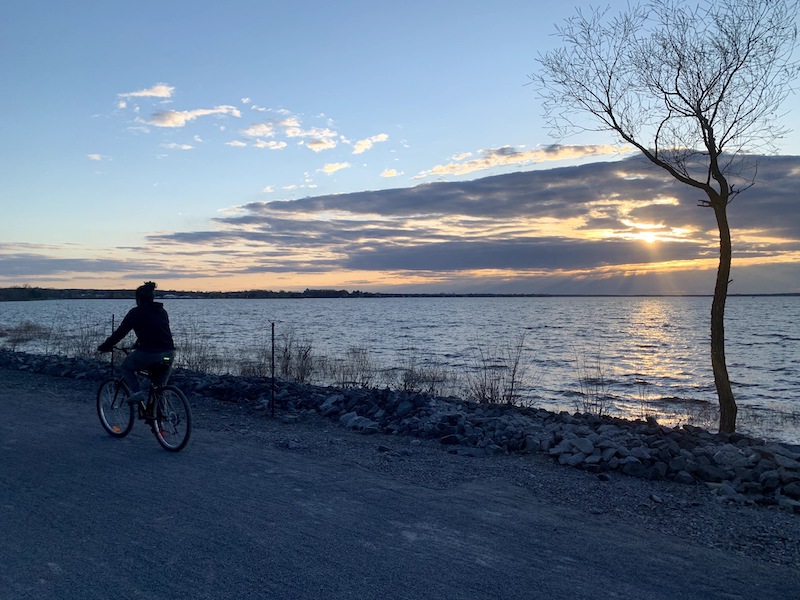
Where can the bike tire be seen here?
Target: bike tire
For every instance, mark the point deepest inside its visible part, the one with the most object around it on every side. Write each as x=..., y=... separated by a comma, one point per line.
x=115, y=413
x=172, y=425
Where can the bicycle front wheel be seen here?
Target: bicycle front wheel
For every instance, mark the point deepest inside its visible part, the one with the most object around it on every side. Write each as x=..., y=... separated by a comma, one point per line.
x=116, y=415
x=173, y=419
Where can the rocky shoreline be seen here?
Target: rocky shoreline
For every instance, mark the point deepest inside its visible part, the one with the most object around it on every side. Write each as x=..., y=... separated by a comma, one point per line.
x=739, y=469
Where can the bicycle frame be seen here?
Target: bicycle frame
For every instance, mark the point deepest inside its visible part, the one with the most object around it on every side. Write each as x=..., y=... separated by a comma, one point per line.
x=166, y=409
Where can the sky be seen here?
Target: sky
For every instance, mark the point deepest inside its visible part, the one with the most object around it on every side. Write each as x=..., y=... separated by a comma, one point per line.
x=360, y=145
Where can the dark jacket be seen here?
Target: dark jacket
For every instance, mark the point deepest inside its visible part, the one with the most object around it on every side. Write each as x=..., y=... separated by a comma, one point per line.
x=150, y=323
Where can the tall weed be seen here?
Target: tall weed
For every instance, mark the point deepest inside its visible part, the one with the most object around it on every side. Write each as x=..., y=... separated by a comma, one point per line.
x=497, y=375
x=593, y=387
x=355, y=369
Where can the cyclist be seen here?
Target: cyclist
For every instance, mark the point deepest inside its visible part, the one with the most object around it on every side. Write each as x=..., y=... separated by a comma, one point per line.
x=154, y=344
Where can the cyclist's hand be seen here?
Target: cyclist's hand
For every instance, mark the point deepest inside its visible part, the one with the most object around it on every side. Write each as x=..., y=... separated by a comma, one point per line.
x=104, y=347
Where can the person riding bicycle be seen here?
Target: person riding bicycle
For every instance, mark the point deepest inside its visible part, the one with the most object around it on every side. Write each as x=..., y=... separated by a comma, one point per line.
x=154, y=344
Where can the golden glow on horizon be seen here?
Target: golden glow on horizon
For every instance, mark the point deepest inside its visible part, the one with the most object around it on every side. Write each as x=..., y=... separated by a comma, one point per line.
x=649, y=237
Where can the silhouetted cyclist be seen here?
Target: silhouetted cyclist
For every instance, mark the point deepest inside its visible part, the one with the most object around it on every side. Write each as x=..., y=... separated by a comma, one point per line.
x=154, y=344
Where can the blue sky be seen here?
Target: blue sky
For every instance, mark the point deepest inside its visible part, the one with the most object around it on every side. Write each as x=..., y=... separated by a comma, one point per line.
x=246, y=144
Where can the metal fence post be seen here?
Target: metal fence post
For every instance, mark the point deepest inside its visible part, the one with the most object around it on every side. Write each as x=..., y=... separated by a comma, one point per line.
x=112, y=350
x=272, y=399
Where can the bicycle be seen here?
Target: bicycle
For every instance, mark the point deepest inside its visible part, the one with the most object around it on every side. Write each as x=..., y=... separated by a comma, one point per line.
x=166, y=409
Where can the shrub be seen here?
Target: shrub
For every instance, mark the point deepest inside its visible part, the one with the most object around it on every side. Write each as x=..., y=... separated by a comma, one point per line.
x=593, y=396
x=498, y=374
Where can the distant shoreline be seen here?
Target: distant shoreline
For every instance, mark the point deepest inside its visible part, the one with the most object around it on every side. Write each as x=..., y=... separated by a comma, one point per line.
x=16, y=294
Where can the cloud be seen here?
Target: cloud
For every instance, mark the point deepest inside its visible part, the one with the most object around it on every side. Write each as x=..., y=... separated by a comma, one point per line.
x=271, y=145
x=160, y=90
x=390, y=173
x=333, y=167
x=42, y=263
x=362, y=146
x=320, y=144
x=577, y=229
x=260, y=130
x=179, y=118
x=507, y=156
x=236, y=144
x=315, y=138
x=97, y=157
x=583, y=223
x=174, y=146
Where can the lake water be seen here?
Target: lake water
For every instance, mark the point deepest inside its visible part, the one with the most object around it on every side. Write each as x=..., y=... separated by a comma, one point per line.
x=636, y=355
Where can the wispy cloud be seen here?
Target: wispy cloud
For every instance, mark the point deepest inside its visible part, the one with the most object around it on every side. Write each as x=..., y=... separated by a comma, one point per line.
x=333, y=167
x=160, y=90
x=179, y=118
x=174, y=146
x=288, y=126
x=260, y=130
x=271, y=144
x=362, y=146
x=508, y=156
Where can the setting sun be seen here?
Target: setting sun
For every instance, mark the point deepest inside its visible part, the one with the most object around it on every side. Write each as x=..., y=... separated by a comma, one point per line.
x=647, y=236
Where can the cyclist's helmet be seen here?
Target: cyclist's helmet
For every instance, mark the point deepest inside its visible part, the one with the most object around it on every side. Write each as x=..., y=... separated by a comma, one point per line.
x=146, y=293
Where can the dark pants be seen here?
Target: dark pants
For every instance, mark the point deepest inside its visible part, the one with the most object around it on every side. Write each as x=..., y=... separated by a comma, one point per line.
x=142, y=361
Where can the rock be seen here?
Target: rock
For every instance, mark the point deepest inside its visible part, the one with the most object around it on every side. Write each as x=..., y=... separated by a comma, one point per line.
x=532, y=444
x=788, y=504
x=636, y=469
x=331, y=405
x=583, y=445
x=562, y=447
x=353, y=420
x=711, y=473
x=776, y=449
x=593, y=459
x=575, y=460
x=404, y=408
x=728, y=493
x=730, y=457
x=770, y=480
x=786, y=462
x=640, y=452
x=792, y=490
x=451, y=440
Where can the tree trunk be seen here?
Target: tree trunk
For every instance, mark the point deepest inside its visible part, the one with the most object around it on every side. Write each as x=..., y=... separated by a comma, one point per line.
x=727, y=404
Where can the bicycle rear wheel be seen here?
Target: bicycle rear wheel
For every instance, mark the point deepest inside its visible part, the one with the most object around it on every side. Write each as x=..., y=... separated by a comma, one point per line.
x=173, y=419
x=116, y=415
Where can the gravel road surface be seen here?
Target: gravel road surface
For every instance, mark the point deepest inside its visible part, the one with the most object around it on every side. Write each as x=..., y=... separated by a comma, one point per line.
x=256, y=508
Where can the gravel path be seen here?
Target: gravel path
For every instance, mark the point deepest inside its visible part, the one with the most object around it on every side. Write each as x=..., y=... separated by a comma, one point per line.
x=688, y=512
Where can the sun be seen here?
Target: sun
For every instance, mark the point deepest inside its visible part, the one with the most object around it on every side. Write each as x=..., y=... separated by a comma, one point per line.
x=649, y=237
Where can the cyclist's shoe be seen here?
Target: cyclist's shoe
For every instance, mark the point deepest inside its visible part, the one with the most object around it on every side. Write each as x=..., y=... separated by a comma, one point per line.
x=137, y=397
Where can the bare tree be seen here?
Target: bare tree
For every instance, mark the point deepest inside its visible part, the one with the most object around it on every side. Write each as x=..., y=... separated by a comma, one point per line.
x=696, y=88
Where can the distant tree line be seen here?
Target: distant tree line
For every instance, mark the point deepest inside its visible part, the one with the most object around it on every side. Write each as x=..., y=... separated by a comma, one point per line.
x=26, y=292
